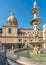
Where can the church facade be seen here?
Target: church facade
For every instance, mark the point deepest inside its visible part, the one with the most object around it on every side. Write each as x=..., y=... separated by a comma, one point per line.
x=11, y=35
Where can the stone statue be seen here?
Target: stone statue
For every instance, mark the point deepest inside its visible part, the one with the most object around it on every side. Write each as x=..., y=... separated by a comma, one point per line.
x=36, y=50
x=36, y=33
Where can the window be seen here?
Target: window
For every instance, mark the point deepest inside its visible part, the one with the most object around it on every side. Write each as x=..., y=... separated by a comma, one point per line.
x=19, y=40
x=9, y=30
x=30, y=40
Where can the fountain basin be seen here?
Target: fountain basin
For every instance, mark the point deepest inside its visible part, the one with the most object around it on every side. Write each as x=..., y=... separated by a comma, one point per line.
x=23, y=57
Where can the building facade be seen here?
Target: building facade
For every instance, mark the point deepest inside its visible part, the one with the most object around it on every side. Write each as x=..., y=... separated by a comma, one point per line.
x=11, y=36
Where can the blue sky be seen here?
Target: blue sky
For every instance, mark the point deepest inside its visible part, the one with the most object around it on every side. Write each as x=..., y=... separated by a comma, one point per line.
x=22, y=10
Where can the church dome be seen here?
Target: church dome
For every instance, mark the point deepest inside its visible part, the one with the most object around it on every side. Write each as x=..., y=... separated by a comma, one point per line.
x=12, y=20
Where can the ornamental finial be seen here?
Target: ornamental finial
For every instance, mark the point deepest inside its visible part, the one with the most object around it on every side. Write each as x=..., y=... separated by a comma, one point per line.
x=35, y=4
x=12, y=13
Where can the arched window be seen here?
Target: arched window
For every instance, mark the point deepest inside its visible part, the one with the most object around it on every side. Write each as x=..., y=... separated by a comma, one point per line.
x=9, y=30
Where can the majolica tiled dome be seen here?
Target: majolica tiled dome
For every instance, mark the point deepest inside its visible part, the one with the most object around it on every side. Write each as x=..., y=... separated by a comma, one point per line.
x=12, y=20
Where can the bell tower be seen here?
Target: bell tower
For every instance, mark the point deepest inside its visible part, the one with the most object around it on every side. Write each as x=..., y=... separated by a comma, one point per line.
x=10, y=29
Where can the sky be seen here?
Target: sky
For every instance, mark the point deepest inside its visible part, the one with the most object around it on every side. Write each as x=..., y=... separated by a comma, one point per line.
x=22, y=10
